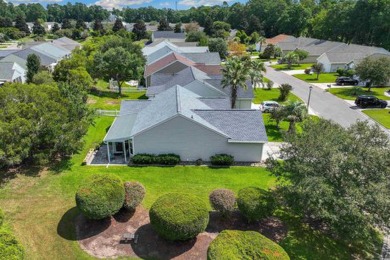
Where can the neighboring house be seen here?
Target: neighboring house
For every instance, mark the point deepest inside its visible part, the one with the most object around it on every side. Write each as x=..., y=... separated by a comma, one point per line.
x=168, y=36
x=279, y=38
x=174, y=62
x=182, y=122
x=348, y=56
x=6, y=52
x=11, y=72
x=202, y=84
x=148, y=50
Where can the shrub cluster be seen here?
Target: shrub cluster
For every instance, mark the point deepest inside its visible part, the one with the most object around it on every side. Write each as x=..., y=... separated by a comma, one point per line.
x=234, y=244
x=222, y=200
x=178, y=216
x=164, y=159
x=1, y=217
x=10, y=247
x=345, y=72
x=222, y=159
x=255, y=203
x=134, y=194
x=100, y=196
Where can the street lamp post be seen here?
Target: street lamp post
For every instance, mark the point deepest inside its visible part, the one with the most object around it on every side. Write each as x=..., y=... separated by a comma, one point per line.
x=308, y=100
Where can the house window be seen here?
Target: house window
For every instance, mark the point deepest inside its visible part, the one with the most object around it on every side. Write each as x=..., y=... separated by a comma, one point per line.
x=119, y=147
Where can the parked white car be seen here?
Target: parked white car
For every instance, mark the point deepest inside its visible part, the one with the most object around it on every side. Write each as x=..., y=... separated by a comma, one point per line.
x=268, y=106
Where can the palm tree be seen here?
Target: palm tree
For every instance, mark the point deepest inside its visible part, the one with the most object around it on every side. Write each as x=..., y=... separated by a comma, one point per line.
x=291, y=58
x=235, y=74
x=294, y=112
x=284, y=91
x=256, y=67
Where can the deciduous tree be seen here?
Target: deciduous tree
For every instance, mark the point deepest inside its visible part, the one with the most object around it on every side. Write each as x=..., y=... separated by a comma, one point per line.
x=33, y=64
x=376, y=71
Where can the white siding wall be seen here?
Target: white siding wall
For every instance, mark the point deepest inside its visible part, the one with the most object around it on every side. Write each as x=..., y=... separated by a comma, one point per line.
x=192, y=141
x=334, y=67
x=325, y=61
x=243, y=103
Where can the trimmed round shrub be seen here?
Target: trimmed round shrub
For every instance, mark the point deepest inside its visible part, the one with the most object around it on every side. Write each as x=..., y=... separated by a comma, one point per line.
x=255, y=203
x=10, y=247
x=100, y=196
x=234, y=244
x=222, y=200
x=134, y=194
x=1, y=217
x=178, y=216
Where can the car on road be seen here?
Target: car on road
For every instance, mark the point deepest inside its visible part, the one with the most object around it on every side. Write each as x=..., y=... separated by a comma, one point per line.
x=365, y=101
x=346, y=81
x=268, y=106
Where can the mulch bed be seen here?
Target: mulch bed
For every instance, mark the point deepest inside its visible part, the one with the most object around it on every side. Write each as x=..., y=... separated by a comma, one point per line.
x=102, y=238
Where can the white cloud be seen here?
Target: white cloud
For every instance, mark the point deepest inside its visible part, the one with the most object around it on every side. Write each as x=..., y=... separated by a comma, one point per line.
x=118, y=4
x=202, y=2
x=33, y=1
x=165, y=4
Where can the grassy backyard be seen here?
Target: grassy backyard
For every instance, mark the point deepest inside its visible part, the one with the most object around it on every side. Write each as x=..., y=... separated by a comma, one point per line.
x=351, y=93
x=382, y=116
x=324, y=77
x=301, y=66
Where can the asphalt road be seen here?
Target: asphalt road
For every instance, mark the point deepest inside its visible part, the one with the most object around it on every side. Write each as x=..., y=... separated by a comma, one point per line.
x=322, y=103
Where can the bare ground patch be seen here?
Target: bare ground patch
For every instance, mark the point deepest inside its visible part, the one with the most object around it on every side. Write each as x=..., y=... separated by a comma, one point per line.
x=102, y=238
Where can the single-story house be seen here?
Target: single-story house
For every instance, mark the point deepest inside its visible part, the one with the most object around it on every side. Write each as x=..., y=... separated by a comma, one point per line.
x=66, y=43
x=11, y=72
x=181, y=122
x=349, y=55
x=147, y=50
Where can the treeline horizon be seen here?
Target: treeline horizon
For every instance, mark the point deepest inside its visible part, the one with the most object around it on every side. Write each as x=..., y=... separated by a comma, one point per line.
x=352, y=21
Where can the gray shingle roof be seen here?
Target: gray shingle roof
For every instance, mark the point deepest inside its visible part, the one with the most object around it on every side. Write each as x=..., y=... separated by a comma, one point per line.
x=45, y=60
x=158, y=54
x=208, y=58
x=6, y=70
x=241, y=93
x=120, y=129
x=239, y=125
x=51, y=50
x=346, y=53
x=13, y=58
x=133, y=106
x=168, y=35
x=217, y=103
x=4, y=53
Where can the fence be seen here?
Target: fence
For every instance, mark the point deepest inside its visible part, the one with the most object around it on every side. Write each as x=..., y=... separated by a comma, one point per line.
x=101, y=112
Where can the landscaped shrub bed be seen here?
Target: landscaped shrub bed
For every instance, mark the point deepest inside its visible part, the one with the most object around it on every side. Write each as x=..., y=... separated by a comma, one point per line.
x=163, y=159
x=134, y=194
x=255, y=203
x=177, y=216
x=233, y=244
x=222, y=160
x=100, y=196
x=10, y=248
x=222, y=200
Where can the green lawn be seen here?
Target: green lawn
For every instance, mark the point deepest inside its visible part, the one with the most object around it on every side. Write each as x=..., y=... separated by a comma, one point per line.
x=350, y=93
x=382, y=116
x=108, y=100
x=262, y=94
x=301, y=66
x=324, y=77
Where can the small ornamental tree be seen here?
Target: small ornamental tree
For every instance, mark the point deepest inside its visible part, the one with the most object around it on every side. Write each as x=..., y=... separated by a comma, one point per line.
x=178, y=216
x=55, y=28
x=134, y=194
x=118, y=25
x=234, y=244
x=100, y=196
x=164, y=25
x=376, y=71
x=38, y=29
x=139, y=29
x=255, y=203
x=33, y=64
x=222, y=200
x=318, y=68
x=284, y=90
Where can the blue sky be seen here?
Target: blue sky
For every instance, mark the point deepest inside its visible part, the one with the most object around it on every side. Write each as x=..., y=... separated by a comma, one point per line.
x=109, y=4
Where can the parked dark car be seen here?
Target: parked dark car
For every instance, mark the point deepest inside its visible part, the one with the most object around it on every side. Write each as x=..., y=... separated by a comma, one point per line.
x=365, y=101
x=346, y=81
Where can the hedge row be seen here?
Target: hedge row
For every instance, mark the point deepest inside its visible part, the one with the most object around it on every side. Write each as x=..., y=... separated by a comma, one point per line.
x=10, y=248
x=222, y=160
x=163, y=159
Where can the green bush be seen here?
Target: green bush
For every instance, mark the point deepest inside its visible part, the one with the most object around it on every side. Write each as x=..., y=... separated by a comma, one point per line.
x=134, y=194
x=10, y=248
x=222, y=159
x=222, y=200
x=178, y=216
x=1, y=217
x=255, y=203
x=233, y=244
x=164, y=159
x=100, y=196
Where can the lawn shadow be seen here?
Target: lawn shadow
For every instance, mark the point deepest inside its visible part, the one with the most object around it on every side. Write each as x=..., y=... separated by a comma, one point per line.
x=271, y=227
x=273, y=132
x=124, y=215
x=151, y=246
x=8, y=174
x=62, y=165
x=74, y=226
x=106, y=94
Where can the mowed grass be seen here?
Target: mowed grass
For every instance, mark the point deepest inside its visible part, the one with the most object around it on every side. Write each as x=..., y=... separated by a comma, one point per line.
x=263, y=94
x=351, y=93
x=382, y=116
x=293, y=67
x=324, y=77
x=108, y=100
